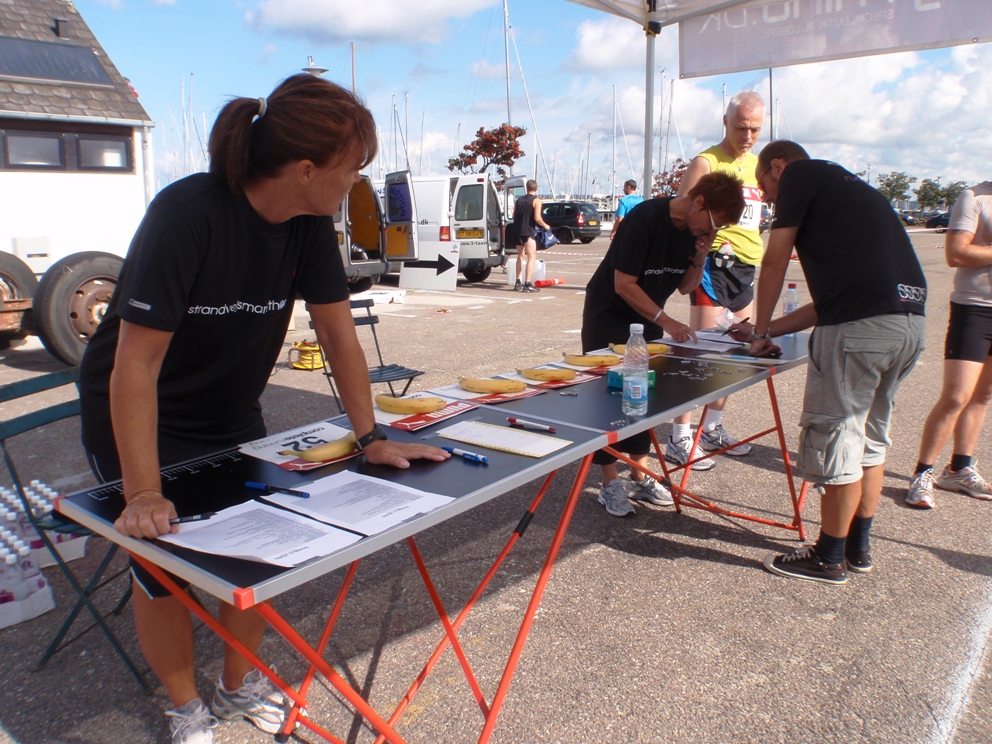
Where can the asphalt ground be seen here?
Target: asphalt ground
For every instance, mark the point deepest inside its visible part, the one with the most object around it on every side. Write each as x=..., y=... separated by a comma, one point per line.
x=656, y=628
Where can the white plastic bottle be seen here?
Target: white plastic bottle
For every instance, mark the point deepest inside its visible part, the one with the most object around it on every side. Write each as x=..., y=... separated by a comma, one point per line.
x=791, y=301
x=30, y=573
x=635, y=373
x=11, y=580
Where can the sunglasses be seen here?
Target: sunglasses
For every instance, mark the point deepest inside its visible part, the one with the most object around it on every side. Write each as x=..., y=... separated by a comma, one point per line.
x=713, y=224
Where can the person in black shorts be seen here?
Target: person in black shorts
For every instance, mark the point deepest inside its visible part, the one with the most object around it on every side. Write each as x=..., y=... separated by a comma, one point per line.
x=526, y=219
x=197, y=321
x=660, y=247
x=967, y=385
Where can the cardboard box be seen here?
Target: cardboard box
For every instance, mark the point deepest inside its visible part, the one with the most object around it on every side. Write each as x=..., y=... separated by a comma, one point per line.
x=36, y=604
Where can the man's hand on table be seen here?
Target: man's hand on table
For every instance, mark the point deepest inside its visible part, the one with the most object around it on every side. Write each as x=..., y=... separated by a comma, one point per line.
x=147, y=515
x=760, y=347
x=398, y=455
x=678, y=331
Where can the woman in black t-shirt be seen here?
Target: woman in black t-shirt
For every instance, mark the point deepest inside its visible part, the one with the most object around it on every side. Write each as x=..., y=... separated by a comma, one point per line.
x=196, y=324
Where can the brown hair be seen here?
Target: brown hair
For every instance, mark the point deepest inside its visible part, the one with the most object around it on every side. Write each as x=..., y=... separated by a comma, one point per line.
x=304, y=118
x=723, y=194
x=786, y=150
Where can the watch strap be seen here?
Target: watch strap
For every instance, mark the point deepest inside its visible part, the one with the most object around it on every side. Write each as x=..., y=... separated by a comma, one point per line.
x=373, y=436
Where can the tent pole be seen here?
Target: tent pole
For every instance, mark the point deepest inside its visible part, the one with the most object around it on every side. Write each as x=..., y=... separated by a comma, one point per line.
x=650, y=32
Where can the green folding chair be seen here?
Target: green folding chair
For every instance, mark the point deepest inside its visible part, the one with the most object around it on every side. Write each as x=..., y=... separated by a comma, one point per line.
x=54, y=524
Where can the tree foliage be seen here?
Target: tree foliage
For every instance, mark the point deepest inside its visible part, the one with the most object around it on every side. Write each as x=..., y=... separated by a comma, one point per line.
x=929, y=195
x=498, y=147
x=951, y=192
x=667, y=182
x=895, y=186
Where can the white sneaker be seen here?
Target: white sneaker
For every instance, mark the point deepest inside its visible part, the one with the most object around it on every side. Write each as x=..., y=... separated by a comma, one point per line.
x=257, y=701
x=718, y=438
x=967, y=481
x=191, y=723
x=678, y=453
x=920, y=493
x=651, y=491
x=613, y=496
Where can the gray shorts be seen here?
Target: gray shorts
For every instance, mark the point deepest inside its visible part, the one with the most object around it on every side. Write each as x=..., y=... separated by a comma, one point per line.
x=854, y=372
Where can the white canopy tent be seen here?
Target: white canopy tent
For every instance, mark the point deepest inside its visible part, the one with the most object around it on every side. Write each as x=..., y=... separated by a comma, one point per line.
x=720, y=36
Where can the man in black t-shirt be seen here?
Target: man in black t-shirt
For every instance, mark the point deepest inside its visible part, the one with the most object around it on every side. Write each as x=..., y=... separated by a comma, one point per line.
x=526, y=219
x=868, y=292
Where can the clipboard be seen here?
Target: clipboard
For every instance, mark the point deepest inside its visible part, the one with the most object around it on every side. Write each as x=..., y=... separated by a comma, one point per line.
x=503, y=438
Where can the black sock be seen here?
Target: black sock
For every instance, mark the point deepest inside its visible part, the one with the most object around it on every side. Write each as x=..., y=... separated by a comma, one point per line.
x=857, y=537
x=830, y=549
x=960, y=462
x=922, y=467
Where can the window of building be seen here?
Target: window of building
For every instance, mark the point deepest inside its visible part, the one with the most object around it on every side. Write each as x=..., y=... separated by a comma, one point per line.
x=103, y=153
x=33, y=150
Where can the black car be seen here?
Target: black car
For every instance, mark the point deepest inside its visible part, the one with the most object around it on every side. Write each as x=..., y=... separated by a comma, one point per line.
x=570, y=220
x=939, y=222
x=907, y=218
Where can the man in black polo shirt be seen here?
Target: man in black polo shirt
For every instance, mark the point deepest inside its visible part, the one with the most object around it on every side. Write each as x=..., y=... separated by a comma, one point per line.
x=868, y=293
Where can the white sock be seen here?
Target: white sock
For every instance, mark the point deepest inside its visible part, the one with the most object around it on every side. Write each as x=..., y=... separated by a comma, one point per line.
x=712, y=420
x=681, y=431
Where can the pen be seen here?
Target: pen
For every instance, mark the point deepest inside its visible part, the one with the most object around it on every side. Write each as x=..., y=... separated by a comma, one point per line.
x=192, y=518
x=467, y=455
x=275, y=489
x=529, y=424
x=743, y=321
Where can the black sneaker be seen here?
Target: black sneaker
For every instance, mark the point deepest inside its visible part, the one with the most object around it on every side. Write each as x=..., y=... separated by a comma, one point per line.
x=518, y=286
x=804, y=564
x=528, y=287
x=859, y=561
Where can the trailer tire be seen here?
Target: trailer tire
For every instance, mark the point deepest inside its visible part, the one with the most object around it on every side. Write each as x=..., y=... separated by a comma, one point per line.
x=17, y=282
x=72, y=298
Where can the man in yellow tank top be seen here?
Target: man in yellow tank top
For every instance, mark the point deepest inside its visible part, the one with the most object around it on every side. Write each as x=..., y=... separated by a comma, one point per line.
x=728, y=277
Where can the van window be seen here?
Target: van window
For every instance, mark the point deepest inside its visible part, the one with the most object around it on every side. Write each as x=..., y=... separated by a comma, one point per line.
x=468, y=205
x=399, y=202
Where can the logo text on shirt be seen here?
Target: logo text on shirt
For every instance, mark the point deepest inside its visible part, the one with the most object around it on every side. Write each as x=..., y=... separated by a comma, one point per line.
x=236, y=307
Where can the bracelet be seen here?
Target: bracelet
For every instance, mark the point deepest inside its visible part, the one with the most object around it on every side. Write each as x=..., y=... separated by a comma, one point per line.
x=698, y=266
x=657, y=315
x=760, y=336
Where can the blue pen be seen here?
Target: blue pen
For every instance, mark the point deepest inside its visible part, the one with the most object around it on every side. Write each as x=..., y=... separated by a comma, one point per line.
x=275, y=489
x=467, y=455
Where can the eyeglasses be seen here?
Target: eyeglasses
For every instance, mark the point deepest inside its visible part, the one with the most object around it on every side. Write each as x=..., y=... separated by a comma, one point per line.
x=713, y=225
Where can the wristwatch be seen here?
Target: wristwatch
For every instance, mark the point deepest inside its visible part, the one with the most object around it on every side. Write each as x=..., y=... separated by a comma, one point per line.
x=759, y=336
x=373, y=436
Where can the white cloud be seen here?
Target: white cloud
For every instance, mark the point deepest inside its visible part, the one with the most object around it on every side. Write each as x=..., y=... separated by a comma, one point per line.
x=610, y=44
x=384, y=20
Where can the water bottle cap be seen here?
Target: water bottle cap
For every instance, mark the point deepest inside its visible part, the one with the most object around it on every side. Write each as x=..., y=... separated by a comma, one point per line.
x=792, y=285
x=10, y=559
x=23, y=551
x=637, y=328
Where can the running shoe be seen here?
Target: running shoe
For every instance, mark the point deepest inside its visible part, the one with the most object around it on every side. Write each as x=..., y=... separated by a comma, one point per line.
x=613, y=496
x=967, y=481
x=191, y=723
x=651, y=491
x=920, y=493
x=718, y=438
x=257, y=701
x=678, y=453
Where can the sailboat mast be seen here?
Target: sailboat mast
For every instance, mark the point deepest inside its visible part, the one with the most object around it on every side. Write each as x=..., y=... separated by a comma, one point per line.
x=506, y=55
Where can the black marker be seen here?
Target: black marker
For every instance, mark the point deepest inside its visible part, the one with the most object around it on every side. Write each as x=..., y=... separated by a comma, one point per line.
x=192, y=518
x=275, y=489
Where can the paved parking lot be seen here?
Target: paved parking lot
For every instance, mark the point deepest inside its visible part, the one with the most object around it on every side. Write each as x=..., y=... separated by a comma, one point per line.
x=657, y=628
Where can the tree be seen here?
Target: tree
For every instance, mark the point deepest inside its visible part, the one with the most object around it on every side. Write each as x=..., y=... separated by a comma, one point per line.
x=667, y=182
x=950, y=193
x=895, y=186
x=499, y=147
x=929, y=195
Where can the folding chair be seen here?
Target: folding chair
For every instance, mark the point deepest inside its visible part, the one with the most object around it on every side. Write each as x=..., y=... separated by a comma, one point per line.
x=383, y=373
x=56, y=524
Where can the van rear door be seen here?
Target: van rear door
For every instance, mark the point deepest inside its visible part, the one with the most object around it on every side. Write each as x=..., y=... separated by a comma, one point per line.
x=401, y=217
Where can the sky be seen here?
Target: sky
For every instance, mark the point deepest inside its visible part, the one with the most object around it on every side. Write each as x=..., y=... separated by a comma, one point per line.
x=434, y=70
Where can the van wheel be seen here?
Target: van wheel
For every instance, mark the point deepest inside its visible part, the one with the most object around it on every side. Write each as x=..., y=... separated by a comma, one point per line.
x=17, y=282
x=362, y=284
x=564, y=235
x=585, y=241
x=478, y=275
x=72, y=299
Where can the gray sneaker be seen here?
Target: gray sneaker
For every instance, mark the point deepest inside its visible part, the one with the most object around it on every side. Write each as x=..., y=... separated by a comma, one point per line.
x=651, y=491
x=967, y=481
x=678, y=453
x=257, y=701
x=920, y=493
x=718, y=438
x=614, y=497
x=191, y=723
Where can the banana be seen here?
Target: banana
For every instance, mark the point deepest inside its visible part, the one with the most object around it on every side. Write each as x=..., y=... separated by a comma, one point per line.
x=330, y=451
x=389, y=404
x=592, y=360
x=490, y=385
x=652, y=348
x=544, y=374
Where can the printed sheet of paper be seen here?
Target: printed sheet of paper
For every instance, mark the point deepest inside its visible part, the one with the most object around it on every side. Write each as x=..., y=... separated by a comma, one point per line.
x=504, y=438
x=709, y=341
x=361, y=503
x=259, y=532
x=295, y=440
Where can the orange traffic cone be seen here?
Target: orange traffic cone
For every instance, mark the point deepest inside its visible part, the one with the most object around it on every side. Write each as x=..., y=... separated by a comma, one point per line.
x=548, y=282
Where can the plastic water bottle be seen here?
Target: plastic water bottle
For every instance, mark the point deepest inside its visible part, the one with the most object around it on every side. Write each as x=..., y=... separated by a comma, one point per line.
x=635, y=373
x=791, y=301
x=30, y=573
x=11, y=579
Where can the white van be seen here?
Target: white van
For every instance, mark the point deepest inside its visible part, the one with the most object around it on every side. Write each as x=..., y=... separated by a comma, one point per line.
x=374, y=233
x=467, y=209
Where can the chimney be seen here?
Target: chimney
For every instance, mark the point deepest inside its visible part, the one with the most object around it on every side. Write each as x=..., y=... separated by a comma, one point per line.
x=62, y=28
